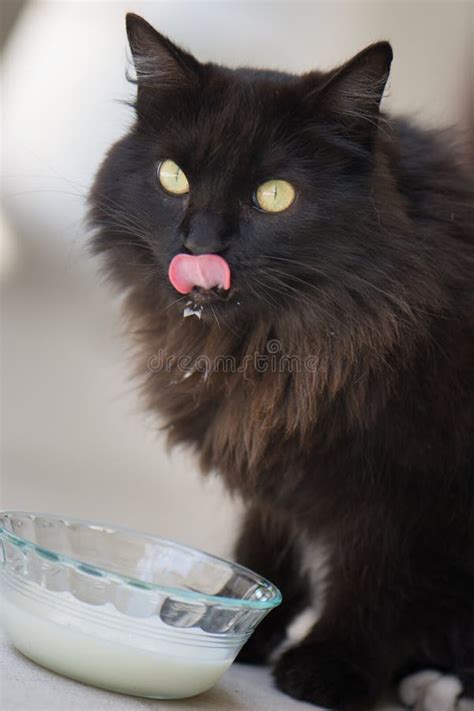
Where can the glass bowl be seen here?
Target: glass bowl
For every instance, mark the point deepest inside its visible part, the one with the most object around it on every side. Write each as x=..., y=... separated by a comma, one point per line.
x=125, y=611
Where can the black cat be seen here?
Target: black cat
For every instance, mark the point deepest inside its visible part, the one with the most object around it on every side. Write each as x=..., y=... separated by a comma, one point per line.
x=324, y=250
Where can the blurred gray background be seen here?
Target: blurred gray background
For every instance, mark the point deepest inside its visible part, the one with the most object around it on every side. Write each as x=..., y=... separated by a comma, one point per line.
x=74, y=438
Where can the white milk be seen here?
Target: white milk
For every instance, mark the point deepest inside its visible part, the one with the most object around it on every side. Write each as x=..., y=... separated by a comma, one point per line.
x=167, y=671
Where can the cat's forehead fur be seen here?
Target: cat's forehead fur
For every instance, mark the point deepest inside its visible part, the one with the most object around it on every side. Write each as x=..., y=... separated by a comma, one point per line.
x=235, y=119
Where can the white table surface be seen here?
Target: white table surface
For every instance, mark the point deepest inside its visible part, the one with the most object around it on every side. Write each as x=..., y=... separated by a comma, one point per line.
x=25, y=686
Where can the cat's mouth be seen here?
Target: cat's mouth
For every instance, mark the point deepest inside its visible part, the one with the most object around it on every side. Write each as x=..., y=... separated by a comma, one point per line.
x=205, y=279
x=201, y=297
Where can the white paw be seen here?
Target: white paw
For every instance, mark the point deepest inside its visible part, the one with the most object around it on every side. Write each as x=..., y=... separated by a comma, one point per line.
x=432, y=691
x=412, y=687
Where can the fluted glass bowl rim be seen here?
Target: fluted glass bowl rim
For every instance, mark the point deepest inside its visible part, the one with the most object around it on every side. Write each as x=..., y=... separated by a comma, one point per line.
x=189, y=595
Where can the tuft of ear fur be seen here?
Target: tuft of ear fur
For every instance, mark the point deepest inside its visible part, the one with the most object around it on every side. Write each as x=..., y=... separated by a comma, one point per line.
x=159, y=63
x=351, y=94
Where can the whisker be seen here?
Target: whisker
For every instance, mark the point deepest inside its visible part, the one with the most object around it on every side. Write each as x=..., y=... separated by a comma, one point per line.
x=394, y=298
x=215, y=316
x=176, y=301
x=301, y=296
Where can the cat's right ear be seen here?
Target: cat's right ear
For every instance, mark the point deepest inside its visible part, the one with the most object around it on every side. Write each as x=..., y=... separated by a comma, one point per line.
x=159, y=64
x=350, y=95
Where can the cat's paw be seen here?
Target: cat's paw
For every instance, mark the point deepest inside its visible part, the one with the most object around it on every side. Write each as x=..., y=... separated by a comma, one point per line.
x=320, y=675
x=430, y=690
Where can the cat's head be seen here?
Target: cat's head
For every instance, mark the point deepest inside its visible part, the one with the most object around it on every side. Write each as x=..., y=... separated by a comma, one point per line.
x=271, y=172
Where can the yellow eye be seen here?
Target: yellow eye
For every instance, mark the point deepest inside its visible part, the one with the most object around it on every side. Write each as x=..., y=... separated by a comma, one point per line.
x=172, y=178
x=275, y=195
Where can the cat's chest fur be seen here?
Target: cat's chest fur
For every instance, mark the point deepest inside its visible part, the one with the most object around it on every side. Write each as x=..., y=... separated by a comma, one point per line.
x=248, y=400
x=264, y=403
x=226, y=411
x=222, y=392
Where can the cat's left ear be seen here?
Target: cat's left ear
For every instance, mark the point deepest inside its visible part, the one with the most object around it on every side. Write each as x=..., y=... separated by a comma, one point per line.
x=351, y=94
x=159, y=63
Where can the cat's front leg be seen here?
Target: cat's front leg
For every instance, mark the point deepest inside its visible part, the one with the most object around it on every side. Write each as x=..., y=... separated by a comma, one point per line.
x=267, y=546
x=345, y=662
x=340, y=674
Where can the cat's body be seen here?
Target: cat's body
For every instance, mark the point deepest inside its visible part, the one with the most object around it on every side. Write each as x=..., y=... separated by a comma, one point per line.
x=356, y=466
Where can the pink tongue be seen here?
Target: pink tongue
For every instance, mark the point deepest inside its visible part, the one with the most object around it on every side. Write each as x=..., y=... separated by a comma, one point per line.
x=207, y=271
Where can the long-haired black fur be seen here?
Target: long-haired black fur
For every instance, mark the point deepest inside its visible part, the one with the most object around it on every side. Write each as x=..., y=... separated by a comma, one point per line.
x=356, y=470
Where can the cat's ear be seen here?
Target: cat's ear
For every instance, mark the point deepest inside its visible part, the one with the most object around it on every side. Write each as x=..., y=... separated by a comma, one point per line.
x=351, y=94
x=159, y=63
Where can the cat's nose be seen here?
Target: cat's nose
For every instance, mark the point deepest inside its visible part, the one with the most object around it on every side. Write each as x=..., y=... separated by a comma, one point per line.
x=205, y=234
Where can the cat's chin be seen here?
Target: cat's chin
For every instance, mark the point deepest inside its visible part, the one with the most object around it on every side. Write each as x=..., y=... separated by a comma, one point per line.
x=209, y=304
x=206, y=297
